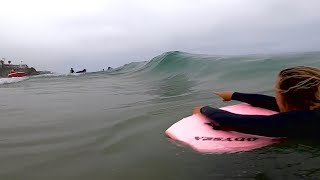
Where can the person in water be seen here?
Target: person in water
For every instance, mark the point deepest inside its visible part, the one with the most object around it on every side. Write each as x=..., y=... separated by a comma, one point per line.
x=83, y=71
x=71, y=70
x=297, y=99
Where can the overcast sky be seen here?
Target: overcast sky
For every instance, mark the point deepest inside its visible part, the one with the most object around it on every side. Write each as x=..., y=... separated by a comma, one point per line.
x=94, y=34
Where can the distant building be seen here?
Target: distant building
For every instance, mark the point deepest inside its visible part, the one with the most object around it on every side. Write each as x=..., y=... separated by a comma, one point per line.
x=23, y=66
x=20, y=66
x=11, y=66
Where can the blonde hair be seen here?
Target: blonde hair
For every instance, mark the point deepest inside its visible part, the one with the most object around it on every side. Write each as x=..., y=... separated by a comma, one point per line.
x=300, y=87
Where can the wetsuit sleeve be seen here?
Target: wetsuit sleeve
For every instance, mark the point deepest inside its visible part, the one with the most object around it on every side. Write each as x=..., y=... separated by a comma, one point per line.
x=296, y=124
x=257, y=100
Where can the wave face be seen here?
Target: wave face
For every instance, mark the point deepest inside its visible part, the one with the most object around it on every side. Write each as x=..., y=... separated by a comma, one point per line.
x=220, y=71
x=110, y=124
x=194, y=65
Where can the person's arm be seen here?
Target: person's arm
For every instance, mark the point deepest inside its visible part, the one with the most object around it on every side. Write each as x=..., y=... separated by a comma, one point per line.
x=257, y=100
x=290, y=124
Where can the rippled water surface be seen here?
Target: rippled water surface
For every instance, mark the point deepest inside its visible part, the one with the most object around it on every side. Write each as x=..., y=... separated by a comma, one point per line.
x=110, y=125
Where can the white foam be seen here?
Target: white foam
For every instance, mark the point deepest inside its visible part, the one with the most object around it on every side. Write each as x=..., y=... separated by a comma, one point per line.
x=74, y=74
x=12, y=80
x=46, y=75
x=57, y=75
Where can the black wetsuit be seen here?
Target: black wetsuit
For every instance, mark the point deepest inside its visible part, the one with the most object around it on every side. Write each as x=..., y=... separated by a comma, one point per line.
x=294, y=124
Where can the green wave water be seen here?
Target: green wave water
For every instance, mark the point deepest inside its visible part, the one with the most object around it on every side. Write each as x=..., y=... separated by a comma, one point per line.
x=110, y=125
x=192, y=65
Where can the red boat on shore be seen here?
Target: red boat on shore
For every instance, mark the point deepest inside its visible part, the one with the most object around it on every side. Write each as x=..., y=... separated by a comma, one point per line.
x=17, y=74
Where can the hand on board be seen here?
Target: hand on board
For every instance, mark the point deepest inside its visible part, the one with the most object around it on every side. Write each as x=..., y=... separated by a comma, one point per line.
x=225, y=95
x=196, y=110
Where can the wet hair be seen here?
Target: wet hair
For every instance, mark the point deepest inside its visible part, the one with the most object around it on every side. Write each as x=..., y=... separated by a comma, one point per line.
x=299, y=87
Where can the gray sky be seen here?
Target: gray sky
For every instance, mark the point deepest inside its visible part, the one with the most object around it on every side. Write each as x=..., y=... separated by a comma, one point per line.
x=94, y=34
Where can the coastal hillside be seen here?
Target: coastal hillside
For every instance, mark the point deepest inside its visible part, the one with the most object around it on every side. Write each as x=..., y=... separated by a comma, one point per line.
x=29, y=71
x=6, y=68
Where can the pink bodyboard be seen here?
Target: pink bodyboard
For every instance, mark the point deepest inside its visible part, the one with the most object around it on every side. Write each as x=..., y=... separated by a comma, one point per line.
x=194, y=132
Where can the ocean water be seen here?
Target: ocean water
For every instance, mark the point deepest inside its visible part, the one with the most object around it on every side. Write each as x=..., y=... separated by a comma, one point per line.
x=110, y=125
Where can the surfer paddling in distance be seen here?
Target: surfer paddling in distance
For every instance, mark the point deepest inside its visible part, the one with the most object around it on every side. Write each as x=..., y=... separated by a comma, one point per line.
x=297, y=99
